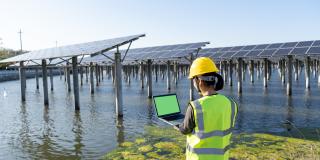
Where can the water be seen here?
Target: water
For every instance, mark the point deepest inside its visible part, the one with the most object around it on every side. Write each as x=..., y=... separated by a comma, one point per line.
x=31, y=131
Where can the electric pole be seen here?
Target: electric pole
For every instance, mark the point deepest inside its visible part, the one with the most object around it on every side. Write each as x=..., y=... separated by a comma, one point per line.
x=1, y=42
x=20, y=41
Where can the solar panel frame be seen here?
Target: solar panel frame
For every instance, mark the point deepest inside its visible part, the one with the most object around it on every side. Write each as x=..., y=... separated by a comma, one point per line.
x=214, y=55
x=289, y=45
x=218, y=54
x=225, y=49
x=240, y=54
x=267, y=53
x=253, y=53
x=304, y=44
x=275, y=45
x=314, y=51
x=299, y=51
x=248, y=48
x=282, y=52
x=236, y=48
x=261, y=46
x=316, y=43
x=228, y=54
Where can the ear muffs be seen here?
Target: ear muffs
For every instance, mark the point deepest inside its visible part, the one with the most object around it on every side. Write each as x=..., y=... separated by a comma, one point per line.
x=219, y=83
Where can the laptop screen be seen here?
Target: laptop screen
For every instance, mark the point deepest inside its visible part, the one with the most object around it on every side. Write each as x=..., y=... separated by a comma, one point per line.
x=166, y=104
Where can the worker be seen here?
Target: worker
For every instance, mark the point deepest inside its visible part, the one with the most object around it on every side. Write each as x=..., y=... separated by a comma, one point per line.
x=209, y=120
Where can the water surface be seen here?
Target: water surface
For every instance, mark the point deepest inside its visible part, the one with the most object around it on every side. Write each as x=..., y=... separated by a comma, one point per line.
x=30, y=130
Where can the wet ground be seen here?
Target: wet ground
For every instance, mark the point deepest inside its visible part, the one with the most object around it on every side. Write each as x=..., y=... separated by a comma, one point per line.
x=31, y=130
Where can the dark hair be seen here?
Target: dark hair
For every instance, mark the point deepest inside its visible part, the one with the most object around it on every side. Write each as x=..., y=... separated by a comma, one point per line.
x=217, y=84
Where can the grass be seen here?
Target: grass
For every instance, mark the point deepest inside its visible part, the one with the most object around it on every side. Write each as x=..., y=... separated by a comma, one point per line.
x=167, y=143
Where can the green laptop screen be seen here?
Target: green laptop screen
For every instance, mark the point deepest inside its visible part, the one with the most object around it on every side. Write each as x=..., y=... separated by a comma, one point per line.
x=167, y=104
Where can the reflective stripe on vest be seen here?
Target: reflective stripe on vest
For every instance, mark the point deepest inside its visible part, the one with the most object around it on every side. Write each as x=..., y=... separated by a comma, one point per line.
x=218, y=151
x=201, y=134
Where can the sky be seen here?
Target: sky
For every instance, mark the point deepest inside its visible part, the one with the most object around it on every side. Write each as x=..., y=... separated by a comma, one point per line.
x=222, y=23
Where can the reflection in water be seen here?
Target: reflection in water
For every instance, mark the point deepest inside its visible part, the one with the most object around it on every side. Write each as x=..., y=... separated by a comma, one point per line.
x=308, y=103
x=120, y=130
x=240, y=115
x=77, y=130
x=150, y=110
x=24, y=137
x=289, y=119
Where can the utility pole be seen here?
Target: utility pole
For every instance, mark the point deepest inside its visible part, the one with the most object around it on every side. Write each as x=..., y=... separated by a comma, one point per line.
x=20, y=41
x=1, y=41
x=56, y=44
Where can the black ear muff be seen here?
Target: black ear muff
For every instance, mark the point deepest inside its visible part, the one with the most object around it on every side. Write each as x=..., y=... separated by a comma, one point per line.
x=219, y=83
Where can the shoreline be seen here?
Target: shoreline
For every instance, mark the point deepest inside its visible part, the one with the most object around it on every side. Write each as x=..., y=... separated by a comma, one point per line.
x=11, y=75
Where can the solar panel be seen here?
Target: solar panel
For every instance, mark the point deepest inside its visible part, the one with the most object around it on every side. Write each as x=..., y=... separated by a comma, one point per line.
x=314, y=50
x=161, y=52
x=240, y=54
x=316, y=43
x=217, y=54
x=261, y=46
x=247, y=48
x=207, y=54
x=275, y=46
x=74, y=50
x=178, y=54
x=289, y=45
x=166, y=48
x=305, y=44
x=228, y=55
x=209, y=50
x=299, y=51
x=267, y=53
x=254, y=53
x=191, y=45
x=225, y=49
x=282, y=52
x=150, y=49
x=237, y=48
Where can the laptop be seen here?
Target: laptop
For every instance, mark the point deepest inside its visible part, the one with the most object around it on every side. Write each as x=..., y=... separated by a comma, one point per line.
x=168, y=109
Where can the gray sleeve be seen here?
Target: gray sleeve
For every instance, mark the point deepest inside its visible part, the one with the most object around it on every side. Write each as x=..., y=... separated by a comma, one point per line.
x=188, y=123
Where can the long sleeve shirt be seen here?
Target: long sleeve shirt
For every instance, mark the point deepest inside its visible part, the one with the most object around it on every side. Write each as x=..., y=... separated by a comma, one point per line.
x=188, y=123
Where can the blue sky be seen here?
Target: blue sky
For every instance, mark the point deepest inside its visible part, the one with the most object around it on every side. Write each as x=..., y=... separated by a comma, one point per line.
x=223, y=23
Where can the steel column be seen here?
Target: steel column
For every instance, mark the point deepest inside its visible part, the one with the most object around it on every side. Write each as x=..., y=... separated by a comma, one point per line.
x=45, y=82
x=118, y=83
x=22, y=75
x=75, y=83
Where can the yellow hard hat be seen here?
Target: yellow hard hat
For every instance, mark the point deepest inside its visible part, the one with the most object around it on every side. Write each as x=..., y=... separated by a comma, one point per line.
x=201, y=66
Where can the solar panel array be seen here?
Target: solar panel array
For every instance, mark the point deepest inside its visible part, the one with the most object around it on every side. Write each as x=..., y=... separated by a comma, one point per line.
x=302, y=48
x=73, y=50
x=154, y=53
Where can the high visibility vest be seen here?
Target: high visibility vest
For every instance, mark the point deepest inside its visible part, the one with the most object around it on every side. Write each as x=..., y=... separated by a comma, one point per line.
x=214, y=120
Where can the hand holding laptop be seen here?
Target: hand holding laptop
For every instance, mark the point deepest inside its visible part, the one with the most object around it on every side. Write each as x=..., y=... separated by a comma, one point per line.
x=176, y=127
x=168, y=109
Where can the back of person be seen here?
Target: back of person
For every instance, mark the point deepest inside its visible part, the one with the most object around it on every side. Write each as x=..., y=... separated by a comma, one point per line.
x=209, y=120
x=211, y=140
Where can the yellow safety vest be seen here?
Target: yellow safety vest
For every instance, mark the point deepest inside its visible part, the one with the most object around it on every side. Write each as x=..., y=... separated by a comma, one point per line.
x=214, y=120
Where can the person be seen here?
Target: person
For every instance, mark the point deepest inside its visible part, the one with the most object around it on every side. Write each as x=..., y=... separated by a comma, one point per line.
x=209, y=120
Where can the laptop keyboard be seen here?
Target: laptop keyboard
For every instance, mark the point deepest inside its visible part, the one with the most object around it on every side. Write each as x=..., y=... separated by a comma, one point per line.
x=174, y=117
